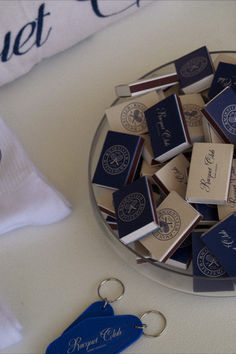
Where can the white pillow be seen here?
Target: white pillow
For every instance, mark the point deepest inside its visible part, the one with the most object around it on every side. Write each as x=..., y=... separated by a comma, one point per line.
x=33, y=30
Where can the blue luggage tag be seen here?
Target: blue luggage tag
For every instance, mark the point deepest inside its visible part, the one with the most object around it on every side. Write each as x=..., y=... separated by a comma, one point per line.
x=103, y=335
x=97, y=309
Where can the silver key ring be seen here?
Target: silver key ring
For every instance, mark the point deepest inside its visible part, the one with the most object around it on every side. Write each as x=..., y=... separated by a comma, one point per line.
x=164, y=322
x=103, y=282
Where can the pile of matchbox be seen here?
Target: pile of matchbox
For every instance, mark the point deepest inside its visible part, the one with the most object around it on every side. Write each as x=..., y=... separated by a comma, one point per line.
x=167, y=173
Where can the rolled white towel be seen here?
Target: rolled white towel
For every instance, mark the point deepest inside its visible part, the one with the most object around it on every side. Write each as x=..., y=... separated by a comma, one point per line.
x=33, y=30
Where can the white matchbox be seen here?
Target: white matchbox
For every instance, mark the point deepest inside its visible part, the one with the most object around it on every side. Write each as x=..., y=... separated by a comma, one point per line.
x=177, y=219
x=128, y=117
x=209, y=174
x=172, y=176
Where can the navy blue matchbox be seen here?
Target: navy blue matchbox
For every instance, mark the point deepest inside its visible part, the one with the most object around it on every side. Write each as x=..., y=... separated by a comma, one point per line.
x=195, y=71
x=221, y=114
x=221, y=240
x=118, y=160
x=135, y=210
x=183, y=255
x=209, y=213
x=225, y=75
x=167, y=128
x=206, y=268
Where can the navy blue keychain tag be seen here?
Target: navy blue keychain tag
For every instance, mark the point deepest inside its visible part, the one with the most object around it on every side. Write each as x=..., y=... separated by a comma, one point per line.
x=97, y=309
x=97, y=329
x=102, y=335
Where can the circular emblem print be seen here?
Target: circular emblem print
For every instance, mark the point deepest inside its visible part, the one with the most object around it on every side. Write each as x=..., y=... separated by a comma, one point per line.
x=193, y=116
x=115, y=159
x=169, y=224
x=133, y=118
x=229, y=118
x=131, y=207
x=194, y=66
x=208, y=265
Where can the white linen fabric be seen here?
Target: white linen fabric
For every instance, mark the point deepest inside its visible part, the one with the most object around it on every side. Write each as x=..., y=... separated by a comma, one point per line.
x=33, y=30
x=26, y=198
x=10, y=328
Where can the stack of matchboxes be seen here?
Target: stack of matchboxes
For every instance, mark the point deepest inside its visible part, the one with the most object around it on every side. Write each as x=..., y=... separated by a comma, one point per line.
x=167, y=170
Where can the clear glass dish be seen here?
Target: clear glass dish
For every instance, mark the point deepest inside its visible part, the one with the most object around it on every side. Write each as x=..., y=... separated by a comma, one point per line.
x=172, y=277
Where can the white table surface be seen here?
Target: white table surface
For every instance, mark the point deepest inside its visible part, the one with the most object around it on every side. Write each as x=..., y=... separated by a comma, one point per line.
x=50, y=274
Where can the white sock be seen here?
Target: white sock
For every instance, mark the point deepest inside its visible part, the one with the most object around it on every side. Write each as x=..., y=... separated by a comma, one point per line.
x=26, y=198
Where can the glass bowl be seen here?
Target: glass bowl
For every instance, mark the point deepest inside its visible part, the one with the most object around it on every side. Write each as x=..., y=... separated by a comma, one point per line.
x=169, y=276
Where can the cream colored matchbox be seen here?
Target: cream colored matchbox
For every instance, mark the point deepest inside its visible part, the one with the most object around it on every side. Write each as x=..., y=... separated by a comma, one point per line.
x=149, y=170
x=225, y=59
x=173, y=177
x=177, y=219
x=210, y=135
x=209, y=174
x=192, y=105
x=105, y=202
x=173, y=90
x=147, y=152
x=128, y=117
x=145, y=256
x=230, y=207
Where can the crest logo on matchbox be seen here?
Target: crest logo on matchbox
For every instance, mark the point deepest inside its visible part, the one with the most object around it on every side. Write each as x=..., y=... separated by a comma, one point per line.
x=194, y=66
x=193, y=116
x=229, y=118
x=116, y=159
x=131, y=207
x=170, y=223
x=208, y=265
x=133, y=118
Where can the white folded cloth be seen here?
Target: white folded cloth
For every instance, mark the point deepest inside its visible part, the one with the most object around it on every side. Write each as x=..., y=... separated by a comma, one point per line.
x=26, y=198
x=33, y=30
x=10, y=328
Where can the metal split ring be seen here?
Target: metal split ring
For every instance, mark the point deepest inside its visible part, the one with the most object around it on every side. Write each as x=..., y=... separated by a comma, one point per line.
x=106, y=298
x=164, y=322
